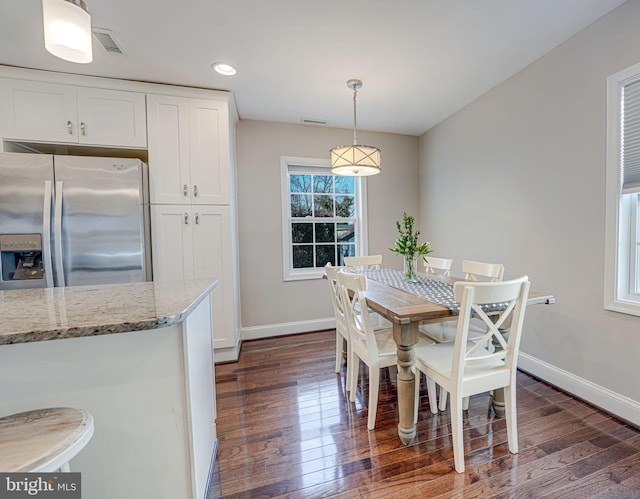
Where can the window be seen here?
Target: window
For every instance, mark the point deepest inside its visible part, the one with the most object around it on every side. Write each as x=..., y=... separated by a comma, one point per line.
x=322, y=217
x=622, y=250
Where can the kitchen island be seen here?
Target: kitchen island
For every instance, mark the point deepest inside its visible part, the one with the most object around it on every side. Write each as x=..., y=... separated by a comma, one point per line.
x=139, y=358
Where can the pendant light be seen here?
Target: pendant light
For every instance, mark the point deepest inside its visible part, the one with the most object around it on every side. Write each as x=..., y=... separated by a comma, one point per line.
x=67, y=30
x=356, y=160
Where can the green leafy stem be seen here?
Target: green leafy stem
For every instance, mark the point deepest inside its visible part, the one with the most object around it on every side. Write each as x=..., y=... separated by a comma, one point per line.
x=407, y=243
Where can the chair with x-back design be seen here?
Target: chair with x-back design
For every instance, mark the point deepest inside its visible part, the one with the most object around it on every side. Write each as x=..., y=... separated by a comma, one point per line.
x=465, y=368
x=434, y=265
x=375, y=349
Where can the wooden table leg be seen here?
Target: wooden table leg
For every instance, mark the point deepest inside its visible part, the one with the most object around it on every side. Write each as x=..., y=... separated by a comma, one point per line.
x=497, y=397
x=497, y=401
x=405, y=336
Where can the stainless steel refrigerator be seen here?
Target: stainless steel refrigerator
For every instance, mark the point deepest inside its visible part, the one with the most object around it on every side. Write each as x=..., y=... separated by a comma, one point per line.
x=72, y=220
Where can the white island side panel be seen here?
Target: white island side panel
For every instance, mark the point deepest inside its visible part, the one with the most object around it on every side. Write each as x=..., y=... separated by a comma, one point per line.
x=136, y=385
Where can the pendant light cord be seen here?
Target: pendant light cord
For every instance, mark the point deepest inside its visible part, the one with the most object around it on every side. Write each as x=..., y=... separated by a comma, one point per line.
x=355, y=139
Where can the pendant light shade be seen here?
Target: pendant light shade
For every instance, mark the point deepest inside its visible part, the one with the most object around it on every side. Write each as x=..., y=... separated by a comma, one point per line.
x=67, y=30
x=355, y=160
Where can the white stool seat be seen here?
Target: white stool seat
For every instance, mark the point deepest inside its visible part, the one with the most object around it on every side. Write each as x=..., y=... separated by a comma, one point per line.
x=43, y=440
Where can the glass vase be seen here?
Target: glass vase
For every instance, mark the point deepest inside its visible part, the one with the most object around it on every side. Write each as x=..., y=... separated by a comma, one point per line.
x=411, y=268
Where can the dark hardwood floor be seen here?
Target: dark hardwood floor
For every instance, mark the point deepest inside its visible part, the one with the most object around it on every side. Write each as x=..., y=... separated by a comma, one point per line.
x=286, y=429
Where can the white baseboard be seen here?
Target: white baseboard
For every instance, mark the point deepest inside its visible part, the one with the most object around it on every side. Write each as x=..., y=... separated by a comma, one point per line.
x=611, y=402
x=228, y=354
x=272, y=330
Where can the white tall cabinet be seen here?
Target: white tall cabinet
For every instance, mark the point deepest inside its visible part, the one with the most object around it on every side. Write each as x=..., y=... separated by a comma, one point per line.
x=191, y=192
x=186, y=135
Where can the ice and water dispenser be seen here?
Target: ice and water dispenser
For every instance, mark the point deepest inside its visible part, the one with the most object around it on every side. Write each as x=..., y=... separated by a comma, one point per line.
x=21, y=260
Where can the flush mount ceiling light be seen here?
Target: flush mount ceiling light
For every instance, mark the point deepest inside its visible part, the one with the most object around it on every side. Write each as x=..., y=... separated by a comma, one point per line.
x=356, y=160
x=67, y=30
x=224, y=68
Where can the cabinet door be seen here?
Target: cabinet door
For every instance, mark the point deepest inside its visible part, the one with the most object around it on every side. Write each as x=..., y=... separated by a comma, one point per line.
x=209, y=152
x=37, y=111
x=111, y=117
x=172, y=242
x=212, y=257
x=168, y=124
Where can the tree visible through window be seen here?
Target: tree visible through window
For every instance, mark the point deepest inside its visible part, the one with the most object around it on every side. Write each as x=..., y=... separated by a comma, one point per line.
x=322, y=217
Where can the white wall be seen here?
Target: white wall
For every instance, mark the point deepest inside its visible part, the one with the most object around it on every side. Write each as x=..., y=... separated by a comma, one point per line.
x=271, y=306
x=518, y=177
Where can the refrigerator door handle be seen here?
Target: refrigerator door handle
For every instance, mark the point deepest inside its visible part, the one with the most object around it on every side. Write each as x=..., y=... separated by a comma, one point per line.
x=46, y=235
x=57, y=234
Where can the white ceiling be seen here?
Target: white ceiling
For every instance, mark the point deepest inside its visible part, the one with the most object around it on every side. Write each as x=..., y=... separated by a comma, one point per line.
x=419, y=60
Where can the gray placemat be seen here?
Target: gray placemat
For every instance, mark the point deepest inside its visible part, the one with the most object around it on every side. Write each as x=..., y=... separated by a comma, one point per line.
x=434, y=290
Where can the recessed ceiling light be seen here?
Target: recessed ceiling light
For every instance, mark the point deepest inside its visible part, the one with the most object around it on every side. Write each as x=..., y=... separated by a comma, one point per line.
x=224, y=68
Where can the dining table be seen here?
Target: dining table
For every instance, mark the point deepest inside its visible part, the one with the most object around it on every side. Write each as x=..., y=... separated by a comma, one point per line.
x=407, y=305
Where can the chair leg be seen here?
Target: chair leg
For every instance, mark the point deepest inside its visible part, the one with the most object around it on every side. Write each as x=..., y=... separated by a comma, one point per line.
x=443, y=399
x=353, y=364
x=348, y=380
x=431, y=391
x=510, y=413
x=456, y=433
x=339, y=351
x=374, y=386
x=416, y=396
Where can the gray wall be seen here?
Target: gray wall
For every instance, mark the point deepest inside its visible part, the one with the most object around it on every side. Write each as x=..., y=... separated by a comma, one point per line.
x=518, y=177
x=267, y=300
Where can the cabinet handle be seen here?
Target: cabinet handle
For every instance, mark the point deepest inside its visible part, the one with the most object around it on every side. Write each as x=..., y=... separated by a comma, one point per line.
x=186, y=219
x=197, y=219
x=69, y=128
x=185, y=190
x=195, y=191
x=82, y=128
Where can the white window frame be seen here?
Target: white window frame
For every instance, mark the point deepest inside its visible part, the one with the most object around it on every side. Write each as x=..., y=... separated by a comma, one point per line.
x=360, y=185
x=621, y=235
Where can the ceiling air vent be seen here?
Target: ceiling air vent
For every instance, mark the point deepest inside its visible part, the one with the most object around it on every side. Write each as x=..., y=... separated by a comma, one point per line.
x=311, y=121
x=108, y=41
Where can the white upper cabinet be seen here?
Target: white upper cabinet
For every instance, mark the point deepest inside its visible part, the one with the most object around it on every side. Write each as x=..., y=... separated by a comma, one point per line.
x=168, y=125
x=38, y=111
x=111, y=117
x=49, y=112
x=189, y=153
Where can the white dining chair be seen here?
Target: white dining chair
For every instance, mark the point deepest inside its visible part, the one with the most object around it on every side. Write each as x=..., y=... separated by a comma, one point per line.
x=376, y=350
x=43, y=440
x=342, y=333
x=362, y=263
x=434, y=265
x=482, y=271
x=465, y=368
x=444, y=332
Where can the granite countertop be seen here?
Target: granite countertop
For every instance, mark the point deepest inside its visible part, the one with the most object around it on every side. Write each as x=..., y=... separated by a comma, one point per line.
x=55, y=313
